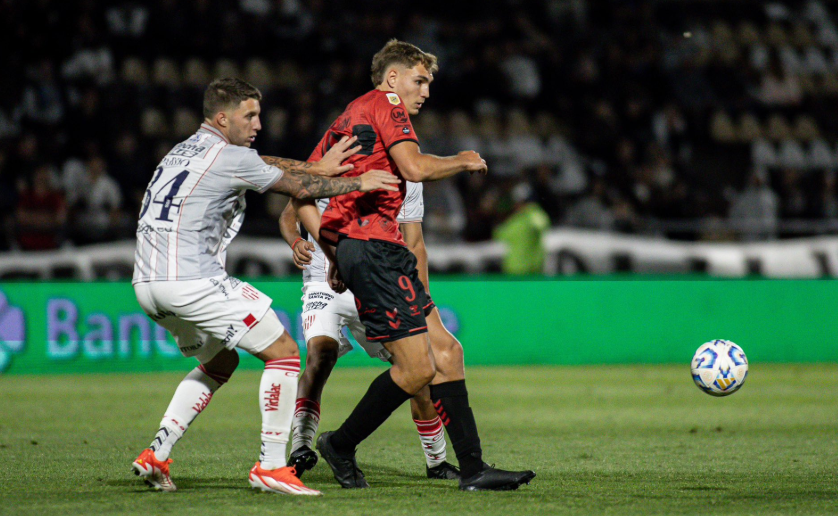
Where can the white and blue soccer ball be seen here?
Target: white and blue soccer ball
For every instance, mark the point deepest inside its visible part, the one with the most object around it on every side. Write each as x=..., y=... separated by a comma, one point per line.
x=719, y=367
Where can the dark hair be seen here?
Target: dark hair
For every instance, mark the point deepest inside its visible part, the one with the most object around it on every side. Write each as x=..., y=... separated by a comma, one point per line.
x=400, y=52
x=228, y=92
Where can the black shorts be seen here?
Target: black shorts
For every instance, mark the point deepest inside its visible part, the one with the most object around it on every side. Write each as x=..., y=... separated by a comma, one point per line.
x=391, y=300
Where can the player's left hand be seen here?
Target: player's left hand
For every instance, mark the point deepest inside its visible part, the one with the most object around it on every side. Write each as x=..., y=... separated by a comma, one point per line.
x=330, y=164
x=335, y=281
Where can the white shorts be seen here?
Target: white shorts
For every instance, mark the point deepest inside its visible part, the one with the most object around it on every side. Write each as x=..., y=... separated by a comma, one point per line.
x=208, y=315
x=326, y=313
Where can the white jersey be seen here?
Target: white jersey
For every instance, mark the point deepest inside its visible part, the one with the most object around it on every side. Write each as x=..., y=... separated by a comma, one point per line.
x=194, y=207
x=412, y=210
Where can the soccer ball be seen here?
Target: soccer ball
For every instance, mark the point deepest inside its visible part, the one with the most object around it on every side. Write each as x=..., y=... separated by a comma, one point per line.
x=719, y=367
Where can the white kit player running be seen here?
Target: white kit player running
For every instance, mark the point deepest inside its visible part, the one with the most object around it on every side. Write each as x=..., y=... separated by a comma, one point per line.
x=193, y=208
x=324, y=317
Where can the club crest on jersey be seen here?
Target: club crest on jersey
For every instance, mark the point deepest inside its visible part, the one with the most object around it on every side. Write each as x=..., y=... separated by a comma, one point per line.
x=394, y=99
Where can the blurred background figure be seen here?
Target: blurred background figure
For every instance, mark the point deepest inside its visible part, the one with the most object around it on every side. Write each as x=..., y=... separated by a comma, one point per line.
x=523, y=233
x=41, y=213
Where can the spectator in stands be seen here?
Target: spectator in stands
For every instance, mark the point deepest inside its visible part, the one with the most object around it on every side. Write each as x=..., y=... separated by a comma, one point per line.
x=755, y=211
x=825, y=203
x=592, y=211
x=523, y=233
x=41, y=213
x=97, y=215
x=778, y=87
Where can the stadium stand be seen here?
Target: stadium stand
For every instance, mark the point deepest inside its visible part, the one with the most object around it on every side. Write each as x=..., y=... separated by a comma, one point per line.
x=649, y=117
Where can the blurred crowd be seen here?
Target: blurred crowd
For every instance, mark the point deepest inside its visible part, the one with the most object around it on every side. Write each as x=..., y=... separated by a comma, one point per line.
x=686, y=119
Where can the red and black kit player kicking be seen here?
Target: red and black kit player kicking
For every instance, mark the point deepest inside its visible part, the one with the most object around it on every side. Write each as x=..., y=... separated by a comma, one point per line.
x=373, y=262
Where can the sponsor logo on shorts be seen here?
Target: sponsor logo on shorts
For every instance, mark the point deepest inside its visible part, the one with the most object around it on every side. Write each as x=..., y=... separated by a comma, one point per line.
x=193, y=347
x=234, y=283
x=320, y=295
x=316, y=305
x=250, y=321
x=221, y=288
x=231, y=332
x=161, y=315
x=414, y=310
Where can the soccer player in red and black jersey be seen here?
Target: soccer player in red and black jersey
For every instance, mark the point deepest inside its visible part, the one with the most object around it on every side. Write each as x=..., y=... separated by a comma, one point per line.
x=374, y=263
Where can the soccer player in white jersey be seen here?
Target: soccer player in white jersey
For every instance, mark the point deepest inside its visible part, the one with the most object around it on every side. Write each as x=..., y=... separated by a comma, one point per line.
x=325, y=314
x=193, y=208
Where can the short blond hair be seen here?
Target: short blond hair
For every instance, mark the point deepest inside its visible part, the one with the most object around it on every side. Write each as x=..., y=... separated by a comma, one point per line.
x=403, y=53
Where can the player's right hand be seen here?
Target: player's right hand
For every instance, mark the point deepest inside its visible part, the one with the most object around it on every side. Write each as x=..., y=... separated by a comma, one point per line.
x=379, y=180
x=473, y=162
x=302, y=253
x=330, y=164
x=335, y=281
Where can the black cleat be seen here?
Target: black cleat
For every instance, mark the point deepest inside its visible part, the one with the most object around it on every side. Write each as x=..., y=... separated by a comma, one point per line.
x=302, y=459
x=444, y=471
x=491, y=479
x=346, y=469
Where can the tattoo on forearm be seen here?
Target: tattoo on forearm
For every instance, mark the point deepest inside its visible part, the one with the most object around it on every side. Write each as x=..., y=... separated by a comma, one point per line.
x=305, y=186
x=288, y=165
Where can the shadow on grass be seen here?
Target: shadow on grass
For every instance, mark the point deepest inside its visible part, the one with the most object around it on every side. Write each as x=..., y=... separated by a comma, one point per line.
x=191, y=483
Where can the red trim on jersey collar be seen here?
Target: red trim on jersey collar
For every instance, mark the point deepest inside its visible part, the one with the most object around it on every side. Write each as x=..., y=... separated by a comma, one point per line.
x=213, y=130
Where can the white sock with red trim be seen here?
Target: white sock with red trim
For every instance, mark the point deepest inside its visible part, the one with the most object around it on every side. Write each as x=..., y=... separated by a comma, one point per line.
x=191, y=398
x=277, y=397
x=432, y=436
x=306, y=421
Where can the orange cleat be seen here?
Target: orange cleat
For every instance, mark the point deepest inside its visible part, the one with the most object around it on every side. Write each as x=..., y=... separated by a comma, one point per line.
x=280, y=480
x=154, y=472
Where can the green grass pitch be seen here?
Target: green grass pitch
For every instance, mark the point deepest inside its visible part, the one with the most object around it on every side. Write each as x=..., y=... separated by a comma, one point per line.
x=603, y=440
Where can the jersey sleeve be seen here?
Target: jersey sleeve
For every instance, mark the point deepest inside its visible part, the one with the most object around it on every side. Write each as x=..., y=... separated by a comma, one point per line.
x=250, y=172
x=392, y=121
x=413, y=208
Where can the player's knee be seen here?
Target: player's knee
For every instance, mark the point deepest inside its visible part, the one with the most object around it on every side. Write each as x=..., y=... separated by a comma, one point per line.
x=322, y=354
x=424, y=373
x=224, y=363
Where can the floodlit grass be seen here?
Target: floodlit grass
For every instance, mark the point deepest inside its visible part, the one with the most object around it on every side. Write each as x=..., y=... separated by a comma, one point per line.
x=603, y=440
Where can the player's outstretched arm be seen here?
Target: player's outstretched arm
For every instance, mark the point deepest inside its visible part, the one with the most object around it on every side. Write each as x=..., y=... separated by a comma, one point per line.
x=301, y=185
x=418, y=167
x=329, y=165
x=291, y=233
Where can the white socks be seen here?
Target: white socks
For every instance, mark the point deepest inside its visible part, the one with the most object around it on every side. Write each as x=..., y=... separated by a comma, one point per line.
x=277, y=397
x=306, y=421
x=432, y=435
x=191, y=398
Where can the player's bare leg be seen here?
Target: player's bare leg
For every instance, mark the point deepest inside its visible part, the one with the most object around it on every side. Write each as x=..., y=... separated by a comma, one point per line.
x=191, y=397
x=450, y=398
x=413, y=368
x=320, y=361
x=277, y=397
x=431, y=436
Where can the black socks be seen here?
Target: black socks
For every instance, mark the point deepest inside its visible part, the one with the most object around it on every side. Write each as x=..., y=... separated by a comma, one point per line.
x=451, y=403
x=381, y=399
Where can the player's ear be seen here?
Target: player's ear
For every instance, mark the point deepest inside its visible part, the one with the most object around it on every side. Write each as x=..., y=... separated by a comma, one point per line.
x=392, y=77
x=221, y=119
